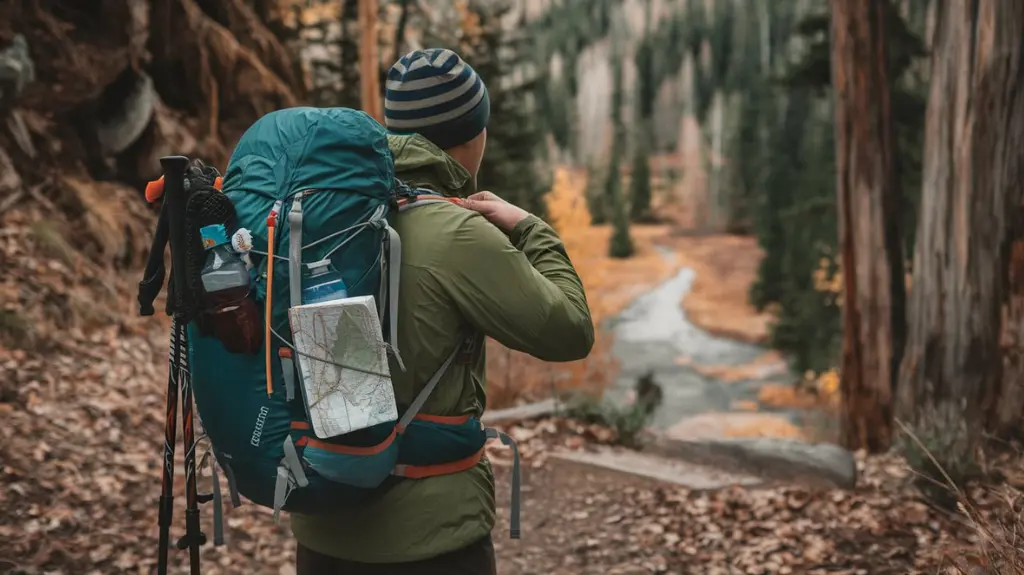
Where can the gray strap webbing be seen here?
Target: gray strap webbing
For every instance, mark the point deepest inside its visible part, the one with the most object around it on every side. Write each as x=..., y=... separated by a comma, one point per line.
x=218, y=507
x=417, y=404
x=289, y=474
x=295, y=251
x=394, y=276
x=513, y=520
x=288, y=372
x=282, y=488
x=229, y=474
x=292, y=462
x=382, y=294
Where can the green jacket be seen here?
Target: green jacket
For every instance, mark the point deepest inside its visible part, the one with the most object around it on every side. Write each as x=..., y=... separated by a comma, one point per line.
x=458, y=272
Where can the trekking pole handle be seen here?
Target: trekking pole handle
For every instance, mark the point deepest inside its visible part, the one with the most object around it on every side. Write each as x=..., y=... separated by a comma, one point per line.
x=174, y=195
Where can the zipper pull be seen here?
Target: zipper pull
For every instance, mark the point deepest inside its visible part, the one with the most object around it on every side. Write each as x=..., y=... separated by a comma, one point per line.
x=274, y=214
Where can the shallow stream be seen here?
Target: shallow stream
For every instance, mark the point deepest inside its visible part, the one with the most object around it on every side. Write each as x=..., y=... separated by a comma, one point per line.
x=654, y=335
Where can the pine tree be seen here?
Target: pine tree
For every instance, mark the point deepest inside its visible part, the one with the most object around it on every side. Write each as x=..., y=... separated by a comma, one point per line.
x=794, y=207
x=621, y=245
x=513, y=162
x=640, y=180
x=640, y=176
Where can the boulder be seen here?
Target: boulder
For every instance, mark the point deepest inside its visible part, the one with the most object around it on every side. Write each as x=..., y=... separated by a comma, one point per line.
x=124, y=111
x=521, y=412
x=17, y=70
x=687, y=474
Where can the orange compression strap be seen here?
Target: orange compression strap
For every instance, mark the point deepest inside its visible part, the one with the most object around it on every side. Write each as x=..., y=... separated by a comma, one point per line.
x=421, y=471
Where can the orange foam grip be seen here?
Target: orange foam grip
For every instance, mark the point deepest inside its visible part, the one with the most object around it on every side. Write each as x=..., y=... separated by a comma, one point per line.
x=154, y=190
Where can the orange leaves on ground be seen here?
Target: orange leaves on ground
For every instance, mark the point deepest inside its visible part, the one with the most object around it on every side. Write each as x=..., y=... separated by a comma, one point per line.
x=714, y=425
x=718, y=302
x=779, y=395
x=766, y=365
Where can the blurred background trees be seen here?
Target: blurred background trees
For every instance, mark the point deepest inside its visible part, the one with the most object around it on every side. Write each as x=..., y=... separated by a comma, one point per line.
x=788, y=120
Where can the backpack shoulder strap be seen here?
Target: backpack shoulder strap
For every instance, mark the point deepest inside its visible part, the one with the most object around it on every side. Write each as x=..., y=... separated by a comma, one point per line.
x=422, y=200
x=417, y=404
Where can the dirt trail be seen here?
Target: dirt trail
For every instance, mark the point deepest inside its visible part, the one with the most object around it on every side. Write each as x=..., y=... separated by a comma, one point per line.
x=579, y=520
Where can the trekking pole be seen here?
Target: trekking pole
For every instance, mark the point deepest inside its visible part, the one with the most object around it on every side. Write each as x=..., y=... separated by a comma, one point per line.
x=171, y=212
x=170, y=438
x=175, y=195
x=194, y=537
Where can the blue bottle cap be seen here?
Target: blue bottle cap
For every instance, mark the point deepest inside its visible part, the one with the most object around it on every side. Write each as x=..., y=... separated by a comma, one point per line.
x=213, y=235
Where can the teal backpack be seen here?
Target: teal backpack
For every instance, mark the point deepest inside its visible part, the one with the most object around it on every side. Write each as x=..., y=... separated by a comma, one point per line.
x=313, y=184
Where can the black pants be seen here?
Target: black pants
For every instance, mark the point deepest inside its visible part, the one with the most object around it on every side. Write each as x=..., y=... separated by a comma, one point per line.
x=475, y=559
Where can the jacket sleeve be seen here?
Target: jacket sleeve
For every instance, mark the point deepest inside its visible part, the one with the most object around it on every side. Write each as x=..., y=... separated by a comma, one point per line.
x=519, y=289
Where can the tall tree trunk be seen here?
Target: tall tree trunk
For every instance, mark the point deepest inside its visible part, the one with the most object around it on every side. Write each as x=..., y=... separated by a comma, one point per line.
x=349, y=65
x=869, y=204
x=369, y=61
x=970, y=220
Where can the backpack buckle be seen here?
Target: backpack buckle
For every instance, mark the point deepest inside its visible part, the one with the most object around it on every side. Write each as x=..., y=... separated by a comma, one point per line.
x=468, y=350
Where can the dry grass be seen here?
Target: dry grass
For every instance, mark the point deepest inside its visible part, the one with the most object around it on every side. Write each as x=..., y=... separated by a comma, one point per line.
x=1000, y=539
x=994, y=512
x=610, y=284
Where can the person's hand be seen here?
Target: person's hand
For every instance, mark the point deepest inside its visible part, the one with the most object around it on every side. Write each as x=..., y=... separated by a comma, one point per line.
x=497, y=211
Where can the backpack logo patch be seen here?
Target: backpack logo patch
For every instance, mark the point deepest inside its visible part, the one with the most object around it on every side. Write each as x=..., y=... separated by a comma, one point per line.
x=258, y=430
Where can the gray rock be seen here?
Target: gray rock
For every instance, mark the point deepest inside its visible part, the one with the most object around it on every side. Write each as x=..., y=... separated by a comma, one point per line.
x=669, y=470
x=818, y=465
x=134, y=110
x=16, y=70
x=521, y=412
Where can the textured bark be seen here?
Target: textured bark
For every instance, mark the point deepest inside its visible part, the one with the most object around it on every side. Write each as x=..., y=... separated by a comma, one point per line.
x=868, y=204
x=963, y=285
x=252, y=32
x=200, y=64
x=369, y=61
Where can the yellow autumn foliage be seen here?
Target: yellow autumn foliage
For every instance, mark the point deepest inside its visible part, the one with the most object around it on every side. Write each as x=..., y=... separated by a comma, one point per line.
x=610, y=284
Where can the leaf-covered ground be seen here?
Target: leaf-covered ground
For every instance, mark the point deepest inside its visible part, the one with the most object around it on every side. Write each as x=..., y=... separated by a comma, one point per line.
x=81, y=441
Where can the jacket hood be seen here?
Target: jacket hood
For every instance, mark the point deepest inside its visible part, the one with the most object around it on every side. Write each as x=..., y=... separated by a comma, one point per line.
x=420, y=163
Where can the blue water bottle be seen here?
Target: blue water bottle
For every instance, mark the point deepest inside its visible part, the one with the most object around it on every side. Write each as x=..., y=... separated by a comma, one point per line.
x=324, y=283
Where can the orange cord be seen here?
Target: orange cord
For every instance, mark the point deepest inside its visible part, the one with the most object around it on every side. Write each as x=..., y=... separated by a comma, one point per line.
x=271, y=224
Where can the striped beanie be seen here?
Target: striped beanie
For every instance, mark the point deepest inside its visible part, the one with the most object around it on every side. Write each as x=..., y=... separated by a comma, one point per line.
x=435, y=94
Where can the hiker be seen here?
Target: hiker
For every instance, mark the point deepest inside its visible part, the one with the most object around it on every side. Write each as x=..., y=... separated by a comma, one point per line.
x=486, y=265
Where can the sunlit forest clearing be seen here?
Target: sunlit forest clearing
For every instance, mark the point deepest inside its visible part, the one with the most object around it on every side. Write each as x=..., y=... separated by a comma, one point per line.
x=797, y=222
